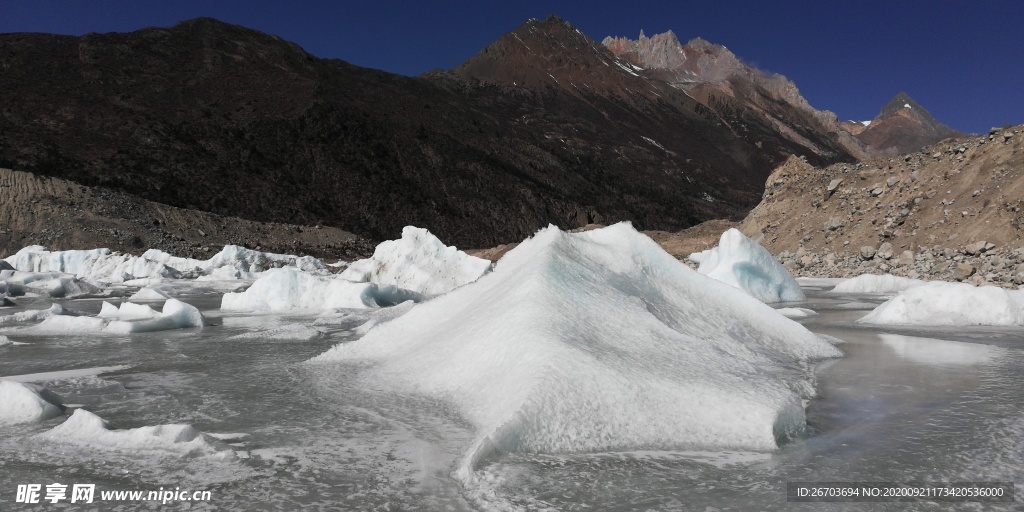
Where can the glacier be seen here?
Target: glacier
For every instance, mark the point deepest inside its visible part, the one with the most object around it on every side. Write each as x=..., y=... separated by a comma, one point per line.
x=940, y=303
x=744, y=264
x=598, y=341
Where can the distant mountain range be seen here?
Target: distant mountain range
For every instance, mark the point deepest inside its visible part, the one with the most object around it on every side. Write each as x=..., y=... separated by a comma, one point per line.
x=545, y=125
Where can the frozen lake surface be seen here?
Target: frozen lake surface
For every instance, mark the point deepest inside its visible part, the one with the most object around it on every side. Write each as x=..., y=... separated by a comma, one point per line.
x=904, y=405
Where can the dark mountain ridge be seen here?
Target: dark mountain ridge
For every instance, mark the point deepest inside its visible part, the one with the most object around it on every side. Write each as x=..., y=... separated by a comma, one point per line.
x=216, y=117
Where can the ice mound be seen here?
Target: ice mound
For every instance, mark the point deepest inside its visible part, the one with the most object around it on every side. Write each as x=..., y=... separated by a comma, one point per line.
x=420, y=262
x=287, y=288
x=227, y=274
x=133, y=319
x=118, y=268
x=52, y=284
x=870, y=283
x=599, y=341
x=293, y=332
x=36, y=315
x=150, y=293
x=127, y=311
x=741, y=262
x=237, y=257
x=87, y=429
x=4, y=341
x=941, y=303
x=27, y=403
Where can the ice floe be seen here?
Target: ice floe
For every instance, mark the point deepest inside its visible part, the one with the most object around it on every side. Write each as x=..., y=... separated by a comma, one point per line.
x=945, y=304
x=880, y=284
x=288, y=289
x=175, y=315
x=51, y=284
x=150, y=293
x=57, y=375
x=37, y=315
x=741, y=262
x=27, y=403
x=86, y=429
x=293, y=332
x=419, y=262
x=599, y=341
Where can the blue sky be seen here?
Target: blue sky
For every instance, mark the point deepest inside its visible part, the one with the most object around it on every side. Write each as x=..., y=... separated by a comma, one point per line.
x=963, y=61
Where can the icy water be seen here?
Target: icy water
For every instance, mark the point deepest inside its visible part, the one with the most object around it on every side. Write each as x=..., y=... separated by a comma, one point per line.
x=924, y=405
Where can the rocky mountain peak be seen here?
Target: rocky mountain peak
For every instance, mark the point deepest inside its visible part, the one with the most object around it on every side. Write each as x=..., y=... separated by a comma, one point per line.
x=899, y=102
x=903, y=126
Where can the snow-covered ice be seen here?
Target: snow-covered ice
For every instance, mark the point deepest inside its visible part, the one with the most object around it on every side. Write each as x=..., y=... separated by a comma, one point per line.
x=797, y=313
x=419, y=262
x=287, y=289
x=89, y=430
x=879, y=284
x=599, y=341
x=819, y=282
x=743, y=263
x=944, y=304
x=127, y=311
x=27, y=403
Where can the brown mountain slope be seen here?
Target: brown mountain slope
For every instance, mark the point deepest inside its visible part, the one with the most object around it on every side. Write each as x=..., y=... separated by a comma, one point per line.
x=623, y=105
x=61, y=214
x=903, y=126
x=952, y=211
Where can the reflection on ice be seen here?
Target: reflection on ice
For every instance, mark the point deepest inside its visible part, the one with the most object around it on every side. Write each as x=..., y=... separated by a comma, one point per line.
x=936, y=352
